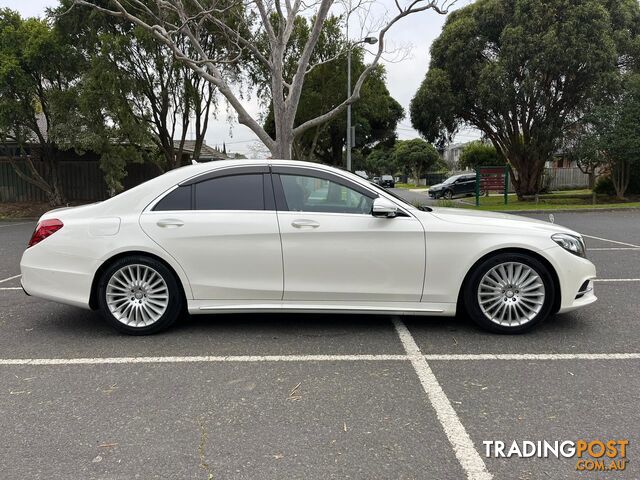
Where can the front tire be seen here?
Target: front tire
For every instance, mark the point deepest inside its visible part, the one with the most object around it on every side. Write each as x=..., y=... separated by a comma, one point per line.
x=139, y=295
x=448, y=195
x=509, y=293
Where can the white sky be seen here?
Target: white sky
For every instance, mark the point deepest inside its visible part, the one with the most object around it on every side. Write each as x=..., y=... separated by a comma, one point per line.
x=403, y=78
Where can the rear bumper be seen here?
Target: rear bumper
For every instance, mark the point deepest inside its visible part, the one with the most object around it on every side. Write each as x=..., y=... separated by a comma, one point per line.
x=54, y=277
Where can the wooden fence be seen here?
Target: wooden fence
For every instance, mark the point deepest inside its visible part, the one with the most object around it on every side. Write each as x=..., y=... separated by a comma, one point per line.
x=81, y=180
x=565, y=178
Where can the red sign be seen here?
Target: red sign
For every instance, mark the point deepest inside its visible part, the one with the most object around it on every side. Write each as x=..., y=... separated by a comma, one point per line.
x=492, y=179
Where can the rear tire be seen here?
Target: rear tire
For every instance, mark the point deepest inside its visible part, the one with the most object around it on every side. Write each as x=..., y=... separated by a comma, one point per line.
x=139, y=295
x=509, y=293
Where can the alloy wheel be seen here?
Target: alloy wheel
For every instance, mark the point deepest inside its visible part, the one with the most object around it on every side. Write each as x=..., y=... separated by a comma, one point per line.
x=511, y=293
x=137, y=295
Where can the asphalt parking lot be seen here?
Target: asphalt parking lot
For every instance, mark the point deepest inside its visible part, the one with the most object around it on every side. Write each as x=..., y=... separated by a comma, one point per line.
x=312, y=396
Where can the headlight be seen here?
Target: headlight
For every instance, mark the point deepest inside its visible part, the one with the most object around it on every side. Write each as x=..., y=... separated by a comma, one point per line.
x=570, y=243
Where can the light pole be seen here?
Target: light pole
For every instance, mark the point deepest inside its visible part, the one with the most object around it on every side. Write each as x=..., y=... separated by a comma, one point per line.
x=350, y=138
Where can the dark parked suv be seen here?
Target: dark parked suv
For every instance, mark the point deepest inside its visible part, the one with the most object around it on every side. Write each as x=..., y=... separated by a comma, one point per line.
x=387, y=181
x=464, y=184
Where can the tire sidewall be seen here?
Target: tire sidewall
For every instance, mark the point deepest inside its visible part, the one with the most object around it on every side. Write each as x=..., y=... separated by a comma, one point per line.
x=170, y=315
x=472, y=305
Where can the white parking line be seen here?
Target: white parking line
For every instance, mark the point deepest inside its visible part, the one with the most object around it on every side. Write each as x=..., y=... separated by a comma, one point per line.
x=316, y=358
x=617, y=280
x=535, y=356
x=462, y=444
x=10, y=278
x=10, y=288
x=200, y=359
x=611, y=241
x=15, y=224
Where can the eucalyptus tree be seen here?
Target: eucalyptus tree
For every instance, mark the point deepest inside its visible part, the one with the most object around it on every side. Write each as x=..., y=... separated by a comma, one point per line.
x=180, y=25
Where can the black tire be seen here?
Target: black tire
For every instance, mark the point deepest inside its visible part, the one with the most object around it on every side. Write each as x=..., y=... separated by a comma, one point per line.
x=472, y=304
x=448, y=194
x=173, y=309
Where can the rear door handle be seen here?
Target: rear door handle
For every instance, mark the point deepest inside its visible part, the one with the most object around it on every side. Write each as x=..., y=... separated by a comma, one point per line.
x=304, y=224
x=170, y=223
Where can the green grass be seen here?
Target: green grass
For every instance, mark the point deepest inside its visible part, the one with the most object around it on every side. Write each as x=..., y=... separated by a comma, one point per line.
x=410, y=186
x=581, y=199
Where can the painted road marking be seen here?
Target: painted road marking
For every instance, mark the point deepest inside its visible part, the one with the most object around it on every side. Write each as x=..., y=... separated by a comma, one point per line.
x=611, y=241
x=200, y=359
x=617, y=280
x=11, y=288
x=462, y=444
x=16, y=224
x=10, y=278
x=535, y=356
x=315, y=358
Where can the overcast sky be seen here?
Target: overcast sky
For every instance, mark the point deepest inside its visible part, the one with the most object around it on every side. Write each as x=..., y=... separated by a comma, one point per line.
x=403, y=78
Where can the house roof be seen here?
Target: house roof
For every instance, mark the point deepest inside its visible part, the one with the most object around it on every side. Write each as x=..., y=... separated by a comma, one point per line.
x=206, y=152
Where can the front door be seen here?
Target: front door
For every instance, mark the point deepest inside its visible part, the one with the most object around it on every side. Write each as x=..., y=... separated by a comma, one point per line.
x=223, y=230
x=335, y=250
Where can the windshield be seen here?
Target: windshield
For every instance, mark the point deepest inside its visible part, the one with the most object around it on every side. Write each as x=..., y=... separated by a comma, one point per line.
x=451, y=179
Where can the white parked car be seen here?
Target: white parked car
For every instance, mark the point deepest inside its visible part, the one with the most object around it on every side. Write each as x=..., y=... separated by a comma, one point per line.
x=256, y=236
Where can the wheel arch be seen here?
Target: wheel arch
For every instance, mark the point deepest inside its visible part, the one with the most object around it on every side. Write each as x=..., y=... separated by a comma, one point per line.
x=557, y=299
x=93, y=295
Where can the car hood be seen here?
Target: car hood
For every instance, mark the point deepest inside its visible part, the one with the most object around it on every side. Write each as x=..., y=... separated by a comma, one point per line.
x=470, y=217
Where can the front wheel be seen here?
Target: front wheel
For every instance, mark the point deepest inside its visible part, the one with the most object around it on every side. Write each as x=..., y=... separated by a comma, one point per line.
x=448, y=195
x=139, y=295
x=509, y=293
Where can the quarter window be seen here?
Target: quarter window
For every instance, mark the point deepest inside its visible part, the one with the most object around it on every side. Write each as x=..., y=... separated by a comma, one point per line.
x=178, y=199
x=312, y=194
x=234, y=192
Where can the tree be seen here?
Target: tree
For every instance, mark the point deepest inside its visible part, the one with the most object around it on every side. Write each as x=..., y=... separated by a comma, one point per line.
x=144, y=86
x=416, y=156
x=375, y=116
x=180, y=25
x=521, y=71
x=614, y=136
x=479, y=154
x=38, y=72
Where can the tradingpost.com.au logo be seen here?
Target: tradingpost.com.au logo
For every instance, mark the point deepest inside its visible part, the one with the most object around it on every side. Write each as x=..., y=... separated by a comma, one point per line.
x=591, y=455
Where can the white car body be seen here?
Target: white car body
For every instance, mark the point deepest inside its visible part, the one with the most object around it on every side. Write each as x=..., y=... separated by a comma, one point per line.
x=268, y=260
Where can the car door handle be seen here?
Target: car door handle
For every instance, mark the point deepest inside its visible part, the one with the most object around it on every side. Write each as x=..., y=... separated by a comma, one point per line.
x=304, y=224
x=170, y=223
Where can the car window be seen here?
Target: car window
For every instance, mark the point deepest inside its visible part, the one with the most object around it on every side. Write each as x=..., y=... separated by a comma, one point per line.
x=387, y=177
x=178, y=199
x=450, y=180
x=312, y=194
x=234, y=192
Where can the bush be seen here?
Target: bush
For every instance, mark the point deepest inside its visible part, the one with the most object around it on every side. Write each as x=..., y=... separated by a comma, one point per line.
x=604, y=186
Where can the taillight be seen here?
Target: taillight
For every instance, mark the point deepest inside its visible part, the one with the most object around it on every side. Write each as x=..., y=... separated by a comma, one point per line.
x=44, y=229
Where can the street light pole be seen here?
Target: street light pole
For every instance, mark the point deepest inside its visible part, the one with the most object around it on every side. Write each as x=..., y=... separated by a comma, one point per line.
x=370, y=41
x=348, y=106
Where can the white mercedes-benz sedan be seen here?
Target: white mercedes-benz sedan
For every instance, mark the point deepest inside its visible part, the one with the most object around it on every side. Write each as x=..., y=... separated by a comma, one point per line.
x=289, y=236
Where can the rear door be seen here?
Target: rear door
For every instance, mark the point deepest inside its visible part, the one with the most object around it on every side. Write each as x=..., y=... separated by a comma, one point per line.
x=223, y=230
x=334, y=249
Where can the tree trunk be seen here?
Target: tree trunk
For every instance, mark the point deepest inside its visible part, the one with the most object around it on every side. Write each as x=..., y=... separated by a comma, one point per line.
x=527, y=180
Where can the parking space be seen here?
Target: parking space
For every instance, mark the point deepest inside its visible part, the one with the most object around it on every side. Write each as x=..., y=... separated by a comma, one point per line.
x=318, y=396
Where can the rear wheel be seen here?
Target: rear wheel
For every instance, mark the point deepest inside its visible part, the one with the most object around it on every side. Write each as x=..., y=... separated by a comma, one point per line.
x=139, y=295
x=509, y=293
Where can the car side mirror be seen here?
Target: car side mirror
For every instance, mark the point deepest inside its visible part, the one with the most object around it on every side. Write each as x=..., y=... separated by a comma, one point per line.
x=384, y=208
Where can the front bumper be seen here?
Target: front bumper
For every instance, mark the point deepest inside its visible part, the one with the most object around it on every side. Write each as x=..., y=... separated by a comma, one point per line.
x=576, y=276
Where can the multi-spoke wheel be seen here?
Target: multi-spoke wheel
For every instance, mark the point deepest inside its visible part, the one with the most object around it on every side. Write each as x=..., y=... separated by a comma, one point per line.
x=509, y=293
x=139, y=295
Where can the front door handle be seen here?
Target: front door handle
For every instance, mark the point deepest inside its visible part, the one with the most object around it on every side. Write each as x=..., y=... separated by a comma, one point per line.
x=304, y=224
x=170, y=223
